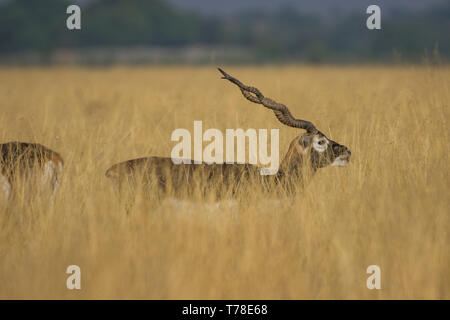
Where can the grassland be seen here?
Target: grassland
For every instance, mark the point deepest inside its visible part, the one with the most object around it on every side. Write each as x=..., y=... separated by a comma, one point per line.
x=389, y=207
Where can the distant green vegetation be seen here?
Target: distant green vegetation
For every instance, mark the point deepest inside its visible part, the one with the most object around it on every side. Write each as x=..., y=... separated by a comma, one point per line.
x=285, y=35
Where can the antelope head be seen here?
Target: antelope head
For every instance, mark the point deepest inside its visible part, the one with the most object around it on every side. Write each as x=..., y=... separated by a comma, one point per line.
x=312, y=148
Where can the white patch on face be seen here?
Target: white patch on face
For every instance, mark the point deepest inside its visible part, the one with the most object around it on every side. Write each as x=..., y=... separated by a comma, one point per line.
x=339, y=162
x=5, y=186
x=320, y=144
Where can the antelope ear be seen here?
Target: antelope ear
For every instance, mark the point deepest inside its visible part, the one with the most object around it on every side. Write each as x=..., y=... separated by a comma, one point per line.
x=305, y=141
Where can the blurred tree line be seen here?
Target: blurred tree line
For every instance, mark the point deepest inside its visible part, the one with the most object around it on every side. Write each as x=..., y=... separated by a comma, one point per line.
x=285, y=35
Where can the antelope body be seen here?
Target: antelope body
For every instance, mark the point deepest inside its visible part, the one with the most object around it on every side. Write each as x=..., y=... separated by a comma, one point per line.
x=20, y=160
x=306, y=154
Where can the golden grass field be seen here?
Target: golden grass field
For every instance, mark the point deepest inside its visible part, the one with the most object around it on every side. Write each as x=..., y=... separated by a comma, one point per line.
x=389, y=207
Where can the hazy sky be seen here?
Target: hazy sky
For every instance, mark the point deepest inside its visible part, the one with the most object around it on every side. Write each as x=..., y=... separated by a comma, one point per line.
x=324, y=7
x=308, y=6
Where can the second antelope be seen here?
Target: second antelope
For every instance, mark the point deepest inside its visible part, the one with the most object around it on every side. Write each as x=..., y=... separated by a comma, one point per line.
x=306, y=154
x=20, y=161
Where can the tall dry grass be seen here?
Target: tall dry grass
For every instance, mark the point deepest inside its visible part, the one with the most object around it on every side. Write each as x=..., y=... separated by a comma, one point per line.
x=389, y=207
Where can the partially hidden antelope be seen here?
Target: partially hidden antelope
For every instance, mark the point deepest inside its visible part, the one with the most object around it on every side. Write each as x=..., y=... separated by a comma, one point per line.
x=307, y=153
x=20, y=161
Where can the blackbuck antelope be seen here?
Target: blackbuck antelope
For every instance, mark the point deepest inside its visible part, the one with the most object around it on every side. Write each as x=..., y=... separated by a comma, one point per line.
x=307, y=153
x=20, y=161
